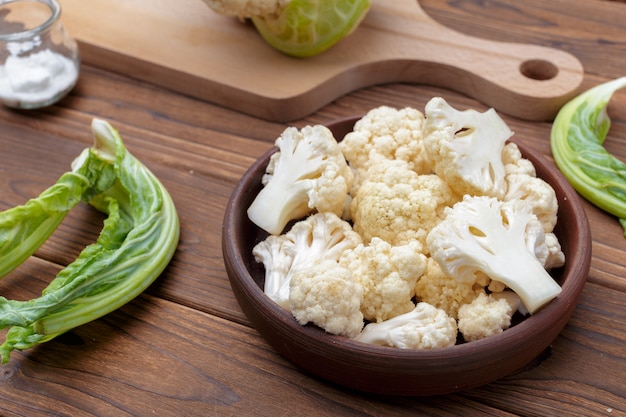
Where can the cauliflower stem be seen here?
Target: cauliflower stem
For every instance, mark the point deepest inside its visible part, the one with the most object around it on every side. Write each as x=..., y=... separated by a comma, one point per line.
x=307, y=173
x=483, y=234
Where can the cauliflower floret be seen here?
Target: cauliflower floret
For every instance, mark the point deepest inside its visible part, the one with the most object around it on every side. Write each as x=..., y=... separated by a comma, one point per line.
x=500, y=239
x=307, y=173
x=466, y=147
x=326, y=295
x=387, y=133
x=515, y=163
x=555, y=257
x=545, y=246
x=538, y=193
x=485, y=316
x=318, y=237
x=276, y=254
x=424, y=327
x=247, y=8
x=513, y=299
x=443, y=291
x=398, y=205
x=387, y=274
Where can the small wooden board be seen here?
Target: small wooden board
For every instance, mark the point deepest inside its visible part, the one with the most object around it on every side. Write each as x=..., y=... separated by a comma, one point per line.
x=185, y=46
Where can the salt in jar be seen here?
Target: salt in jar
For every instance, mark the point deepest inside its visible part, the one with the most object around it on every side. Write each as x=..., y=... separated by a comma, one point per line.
x=39, y=61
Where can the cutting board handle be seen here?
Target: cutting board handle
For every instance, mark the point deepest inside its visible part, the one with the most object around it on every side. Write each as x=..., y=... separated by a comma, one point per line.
x=528, y=81
x=399, y=42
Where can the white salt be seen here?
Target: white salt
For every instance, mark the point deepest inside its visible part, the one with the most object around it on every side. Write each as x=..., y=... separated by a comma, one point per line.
x=36, y=80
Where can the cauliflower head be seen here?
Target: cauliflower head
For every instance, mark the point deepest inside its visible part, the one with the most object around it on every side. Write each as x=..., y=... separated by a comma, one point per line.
x=466, y=147
x=443, y=291
x=387, y=274
x=398, y=205
x=326, y=295
x=387, y=133
x=485, y=316
x=424, y=327
x=308, y=173
x=483, y=235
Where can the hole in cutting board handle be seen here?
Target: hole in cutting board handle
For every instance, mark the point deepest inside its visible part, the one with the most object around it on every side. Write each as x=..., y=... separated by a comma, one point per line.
x=538, y=69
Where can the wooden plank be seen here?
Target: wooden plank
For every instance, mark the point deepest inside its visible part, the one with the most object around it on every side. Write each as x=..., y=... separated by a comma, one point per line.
x=151, y=356
x=185, y=46
x=156, y=357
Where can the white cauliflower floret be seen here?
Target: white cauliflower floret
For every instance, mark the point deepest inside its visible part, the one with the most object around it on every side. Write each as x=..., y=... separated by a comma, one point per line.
x=398, y=205
x=321, y=236
x=387, y=133
x=555, y=257
x=485, y=316
x=424, y=327
x=538, y=193
x=276, y=254
x=515, y=163
x=443, y=291
x=545, y=246
x=466, y=147
x=318, y=237
x=247, y=8
x=387, y=274
x=307, y=173
x=513, y=299
x=485, y=235
x=326, y=295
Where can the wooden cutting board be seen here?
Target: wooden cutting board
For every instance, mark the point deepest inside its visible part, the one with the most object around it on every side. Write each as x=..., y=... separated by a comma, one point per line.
x=185, y=46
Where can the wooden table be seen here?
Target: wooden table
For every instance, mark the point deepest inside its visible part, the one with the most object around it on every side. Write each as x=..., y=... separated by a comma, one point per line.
x=184, y=348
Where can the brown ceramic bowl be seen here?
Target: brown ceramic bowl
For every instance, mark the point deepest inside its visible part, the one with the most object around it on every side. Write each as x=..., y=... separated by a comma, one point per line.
x=386, y=370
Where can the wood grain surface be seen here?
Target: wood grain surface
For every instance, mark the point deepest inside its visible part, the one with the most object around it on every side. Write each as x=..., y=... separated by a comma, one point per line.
x=186, y=46
x=184, y=348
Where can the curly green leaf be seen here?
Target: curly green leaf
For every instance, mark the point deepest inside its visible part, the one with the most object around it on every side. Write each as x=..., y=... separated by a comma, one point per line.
x=24, y=228
x=577, y=137
x=137, y=242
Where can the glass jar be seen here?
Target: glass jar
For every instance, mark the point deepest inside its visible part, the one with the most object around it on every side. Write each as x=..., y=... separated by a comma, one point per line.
x=39, y=61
